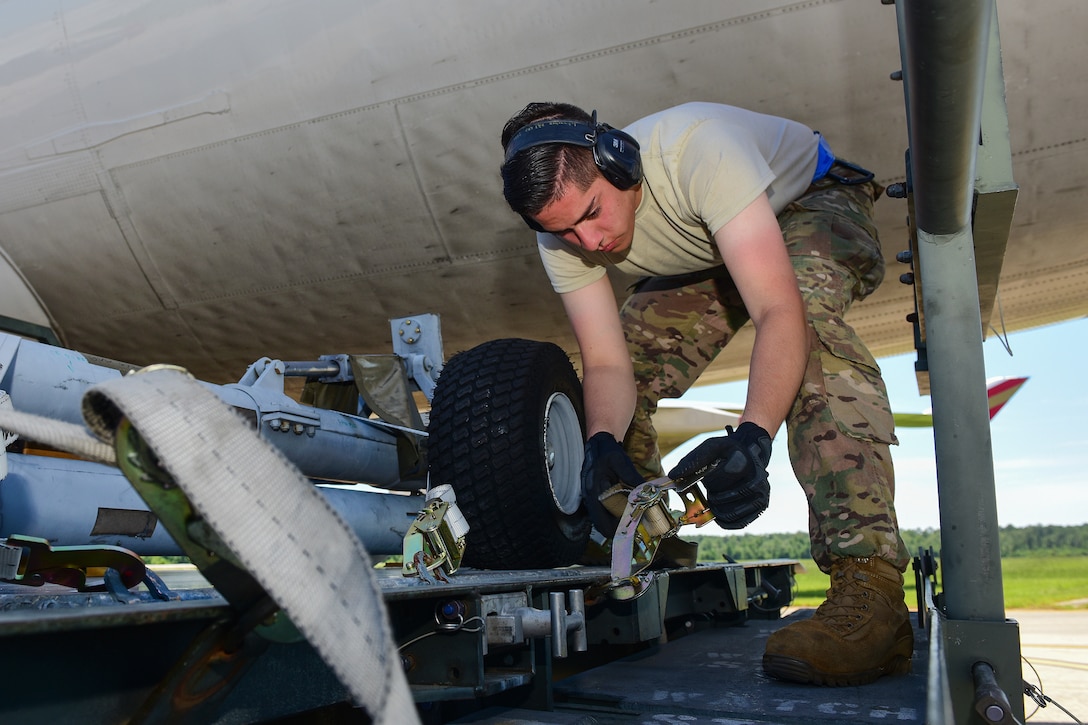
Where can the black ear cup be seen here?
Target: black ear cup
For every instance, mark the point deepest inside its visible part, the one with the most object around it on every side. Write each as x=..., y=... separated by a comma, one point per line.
x=616, y=153
x=617, y=156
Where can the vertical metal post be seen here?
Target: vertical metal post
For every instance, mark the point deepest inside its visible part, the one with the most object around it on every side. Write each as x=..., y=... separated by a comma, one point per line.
x=945, y=109
x=947, y=46
x=970, y=554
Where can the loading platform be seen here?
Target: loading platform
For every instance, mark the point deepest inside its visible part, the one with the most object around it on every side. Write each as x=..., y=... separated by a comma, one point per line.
x=687, y=650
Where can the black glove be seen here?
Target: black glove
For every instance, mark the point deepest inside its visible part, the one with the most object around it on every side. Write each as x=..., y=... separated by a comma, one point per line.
x=605, y=465
x=734, y=471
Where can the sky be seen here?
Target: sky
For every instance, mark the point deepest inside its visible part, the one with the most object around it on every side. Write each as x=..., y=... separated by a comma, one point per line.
x=1040, y=448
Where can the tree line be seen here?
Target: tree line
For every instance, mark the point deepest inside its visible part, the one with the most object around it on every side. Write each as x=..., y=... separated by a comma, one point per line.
x=1014, y=541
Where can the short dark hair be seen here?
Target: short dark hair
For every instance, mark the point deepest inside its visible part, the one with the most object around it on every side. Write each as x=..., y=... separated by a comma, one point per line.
x=536, y=176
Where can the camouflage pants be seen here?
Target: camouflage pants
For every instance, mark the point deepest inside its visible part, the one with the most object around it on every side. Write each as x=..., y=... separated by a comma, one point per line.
x=840, y=425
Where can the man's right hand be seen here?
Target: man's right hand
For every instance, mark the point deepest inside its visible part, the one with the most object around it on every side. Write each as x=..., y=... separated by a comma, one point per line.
x=605, y=465
x=733, y=469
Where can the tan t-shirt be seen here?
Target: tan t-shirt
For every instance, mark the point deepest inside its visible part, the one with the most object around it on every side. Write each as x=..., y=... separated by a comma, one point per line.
x=702, y=164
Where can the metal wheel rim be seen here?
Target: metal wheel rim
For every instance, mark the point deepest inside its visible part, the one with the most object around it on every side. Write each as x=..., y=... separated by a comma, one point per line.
x=563, y=452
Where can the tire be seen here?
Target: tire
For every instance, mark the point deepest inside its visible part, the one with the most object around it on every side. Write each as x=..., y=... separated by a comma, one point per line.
x=507, y=432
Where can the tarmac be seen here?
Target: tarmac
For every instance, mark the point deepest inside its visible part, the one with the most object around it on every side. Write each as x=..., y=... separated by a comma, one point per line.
x=1054, y=647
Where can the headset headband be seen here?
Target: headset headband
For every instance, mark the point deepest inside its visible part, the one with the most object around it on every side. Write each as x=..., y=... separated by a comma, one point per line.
x=615, y=153
x=553, y=130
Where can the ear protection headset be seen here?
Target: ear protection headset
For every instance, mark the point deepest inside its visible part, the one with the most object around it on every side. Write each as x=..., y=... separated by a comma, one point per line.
x=614, y=152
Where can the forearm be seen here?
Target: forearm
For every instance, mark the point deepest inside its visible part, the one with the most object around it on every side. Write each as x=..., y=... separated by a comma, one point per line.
x=608, y=378
x=609, y=397
x=777, y=367
x=752, y=248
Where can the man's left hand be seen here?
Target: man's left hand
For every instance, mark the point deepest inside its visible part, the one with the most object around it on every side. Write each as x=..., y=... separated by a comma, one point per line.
x=606, y=465
x=733, y=468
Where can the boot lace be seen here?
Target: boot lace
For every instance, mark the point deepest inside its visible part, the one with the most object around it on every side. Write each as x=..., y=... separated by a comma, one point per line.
x=848, y=599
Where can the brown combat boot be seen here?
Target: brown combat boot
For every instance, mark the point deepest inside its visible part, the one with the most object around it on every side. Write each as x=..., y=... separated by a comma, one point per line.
x=861, y=632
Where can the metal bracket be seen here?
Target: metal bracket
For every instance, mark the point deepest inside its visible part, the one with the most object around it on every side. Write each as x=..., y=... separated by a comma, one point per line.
x=343, y=364
x=37, y=563
x=263, y=384
x=418, y=340
x=515, y=625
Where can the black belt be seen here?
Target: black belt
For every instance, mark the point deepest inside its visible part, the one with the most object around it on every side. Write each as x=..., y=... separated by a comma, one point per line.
x=675, y=281
x=857, y=174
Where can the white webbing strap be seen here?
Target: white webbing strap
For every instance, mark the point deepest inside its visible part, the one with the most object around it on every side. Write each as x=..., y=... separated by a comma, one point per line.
x=275, y=522
x=65, y=436
x=10, y=556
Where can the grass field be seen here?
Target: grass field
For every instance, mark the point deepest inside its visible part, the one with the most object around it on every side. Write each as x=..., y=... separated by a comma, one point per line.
x=1030, y=582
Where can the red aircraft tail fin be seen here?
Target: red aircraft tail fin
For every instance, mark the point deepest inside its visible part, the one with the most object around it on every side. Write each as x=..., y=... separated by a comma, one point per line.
x=1000, y=390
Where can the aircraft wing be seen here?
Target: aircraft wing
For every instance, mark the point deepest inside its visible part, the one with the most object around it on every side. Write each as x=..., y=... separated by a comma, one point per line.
x=207, y=183
x=998, y=390
x=678, y=420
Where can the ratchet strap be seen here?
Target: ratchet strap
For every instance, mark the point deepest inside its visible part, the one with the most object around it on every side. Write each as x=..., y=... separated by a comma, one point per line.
x=274, y=522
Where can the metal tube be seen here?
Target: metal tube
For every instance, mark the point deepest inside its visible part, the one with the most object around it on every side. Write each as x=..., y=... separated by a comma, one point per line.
x=991, y=702
x=558, y=604
x=970, y=553
x=948, y=48
x=944, y=61
x=314, y=369
x=51, y=382
x=76, y=503
x=944, y=65
x=46, y=380
x=577, y=599
x=323, y=444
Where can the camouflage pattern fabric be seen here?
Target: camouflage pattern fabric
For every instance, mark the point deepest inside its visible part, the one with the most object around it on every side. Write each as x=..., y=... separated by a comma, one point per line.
x=840, y=426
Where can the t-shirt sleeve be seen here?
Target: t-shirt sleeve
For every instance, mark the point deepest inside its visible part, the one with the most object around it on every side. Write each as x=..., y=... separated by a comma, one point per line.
x=567, y=270
x=721, y=172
